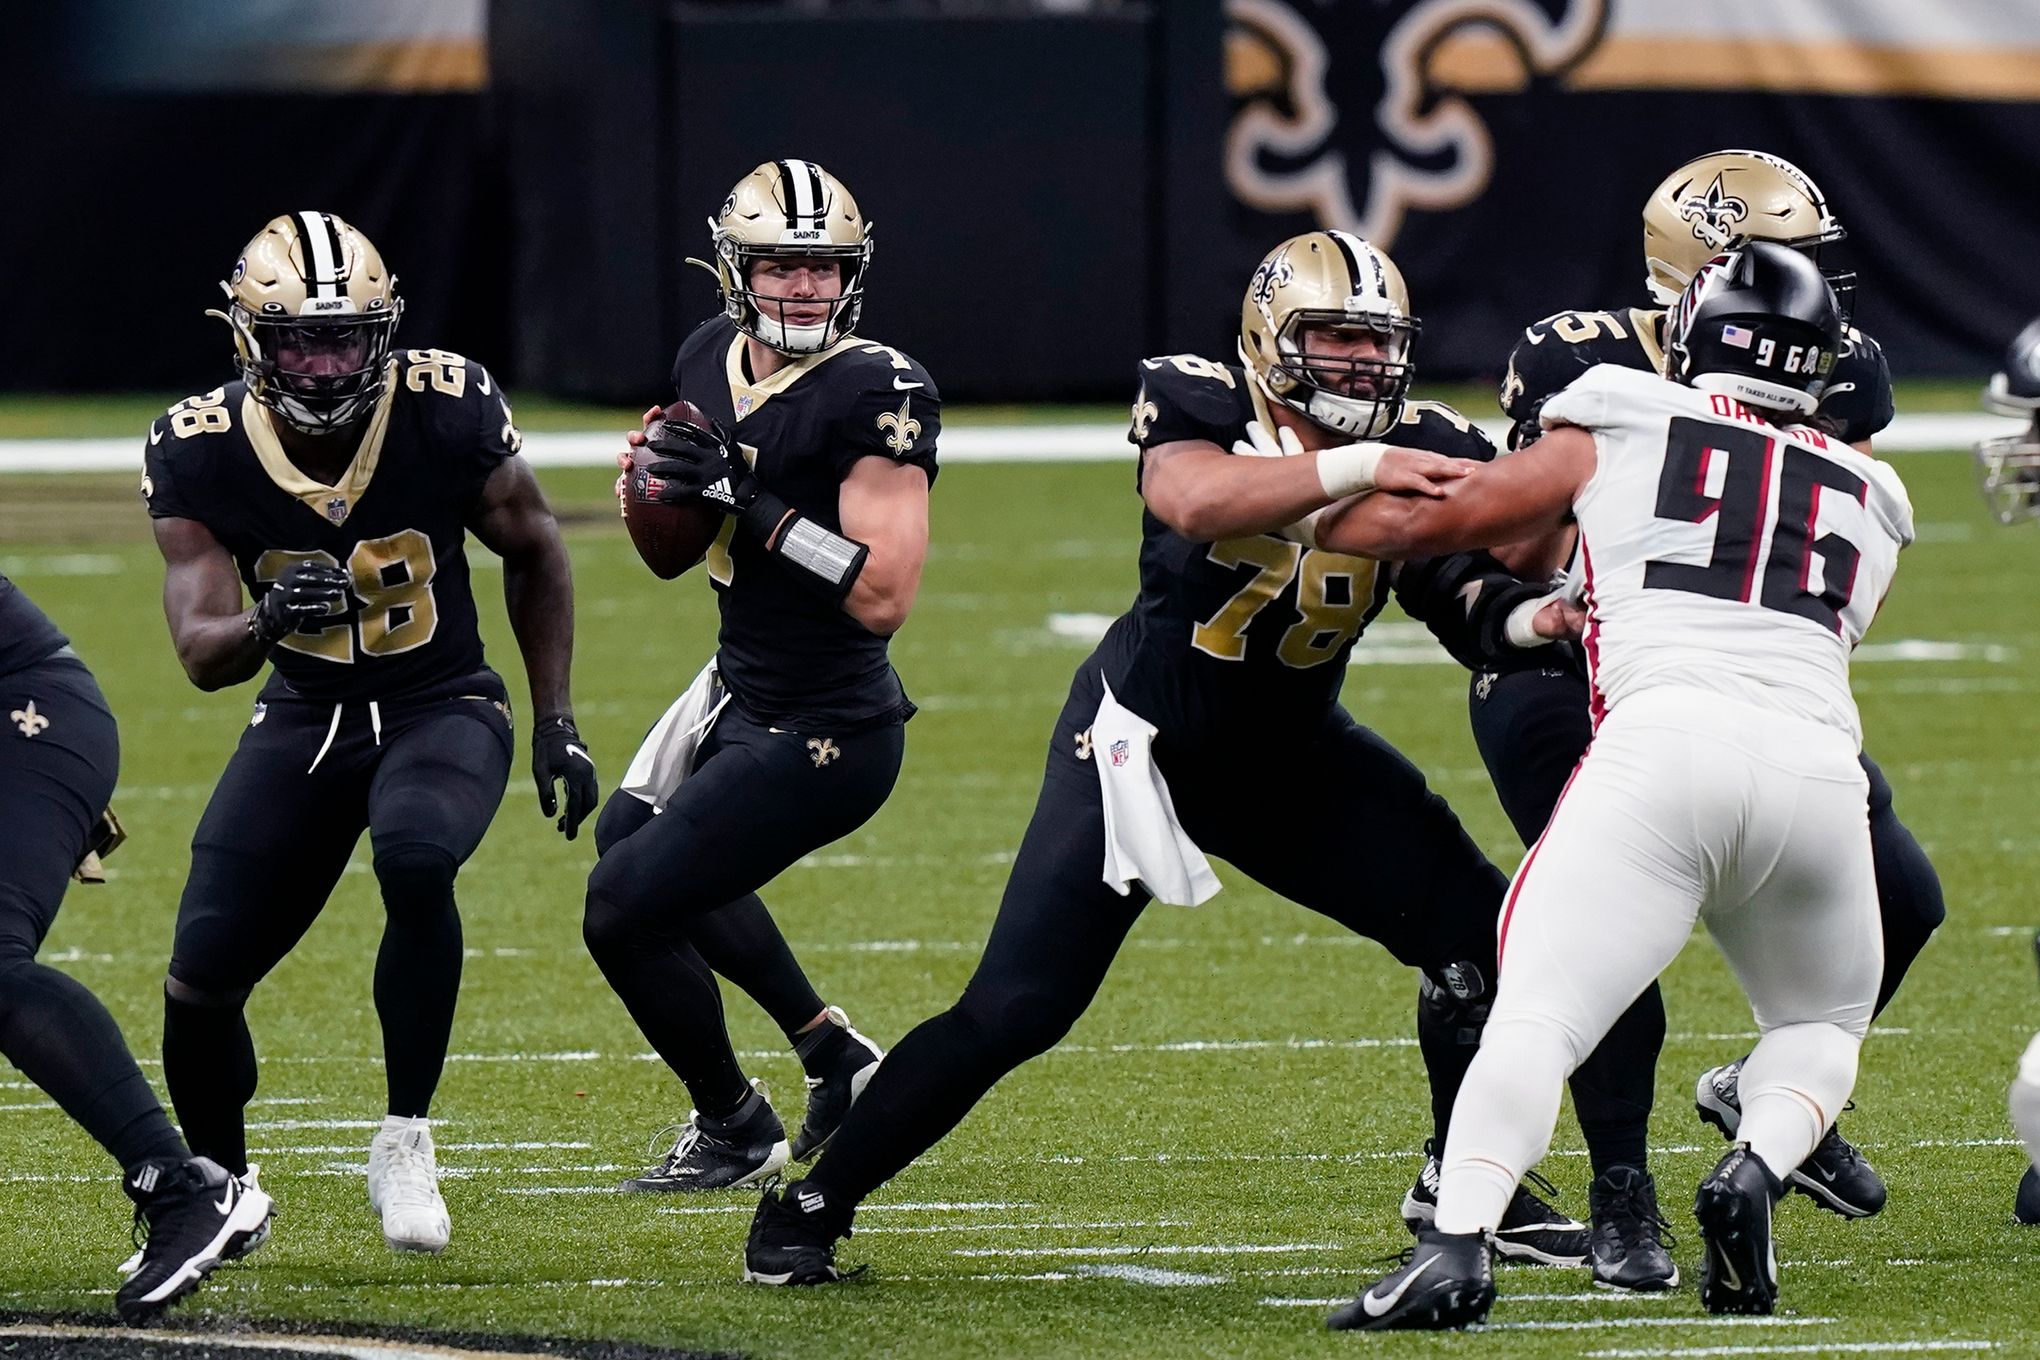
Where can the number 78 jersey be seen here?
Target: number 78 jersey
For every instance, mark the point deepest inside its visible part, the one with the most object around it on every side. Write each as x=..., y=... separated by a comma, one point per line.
x=1723, y=553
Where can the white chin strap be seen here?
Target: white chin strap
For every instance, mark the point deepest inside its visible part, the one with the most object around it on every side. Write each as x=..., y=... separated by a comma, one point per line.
x=793, y=339
x=1368, y=419
x=1757, y=392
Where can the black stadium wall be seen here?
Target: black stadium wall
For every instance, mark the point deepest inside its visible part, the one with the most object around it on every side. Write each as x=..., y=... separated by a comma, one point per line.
x=1055, y=195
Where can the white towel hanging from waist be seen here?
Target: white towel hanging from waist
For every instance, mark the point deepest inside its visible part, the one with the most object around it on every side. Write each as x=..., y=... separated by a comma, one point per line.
x=1143, y=839
x=667, y=755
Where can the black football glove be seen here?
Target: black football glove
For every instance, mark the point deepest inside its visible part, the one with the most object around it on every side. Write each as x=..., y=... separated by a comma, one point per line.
x=693, y=464
x=305, y=591
x=558, y=753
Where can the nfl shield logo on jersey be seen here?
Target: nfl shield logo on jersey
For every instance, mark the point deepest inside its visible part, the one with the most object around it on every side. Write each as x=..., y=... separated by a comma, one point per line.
x=336, y=509
x=1119, y=752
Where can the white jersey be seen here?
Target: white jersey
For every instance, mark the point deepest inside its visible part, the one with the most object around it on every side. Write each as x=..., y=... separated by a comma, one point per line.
x=1723, y=553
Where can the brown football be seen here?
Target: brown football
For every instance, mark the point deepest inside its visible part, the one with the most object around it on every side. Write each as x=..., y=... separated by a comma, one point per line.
x=670, y=538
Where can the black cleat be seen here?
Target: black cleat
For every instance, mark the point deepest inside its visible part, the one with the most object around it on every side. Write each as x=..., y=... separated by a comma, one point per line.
x=2026, y=1208
x=833, y=1091
x=1734, y=1205
x=719, y=1154
x=1532, y=1230
x=192, y=1215
x=793, y=1238
x=1447, y=1280
x=1629, y=1234
x=1834, y=1175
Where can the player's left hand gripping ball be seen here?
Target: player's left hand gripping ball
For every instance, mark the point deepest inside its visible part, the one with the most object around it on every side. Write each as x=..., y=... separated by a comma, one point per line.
x=558, y=753
x=693, y=463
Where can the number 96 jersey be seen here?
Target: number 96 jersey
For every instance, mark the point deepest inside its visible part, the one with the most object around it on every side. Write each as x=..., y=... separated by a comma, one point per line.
x=395, y=522
x=1720, y=552
x=1229, y=639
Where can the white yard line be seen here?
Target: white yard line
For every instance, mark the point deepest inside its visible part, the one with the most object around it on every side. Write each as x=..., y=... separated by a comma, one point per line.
x=1817, y=1348
x=1083, y=443
x=1602, y=1324
x=1188, y=1249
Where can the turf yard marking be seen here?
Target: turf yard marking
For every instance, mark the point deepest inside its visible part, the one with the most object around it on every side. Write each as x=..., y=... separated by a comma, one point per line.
x=1822, y=1348
x=1597, y=1324
x=1150, y=1275
x=1026, y=1227
x=1599, y=1296
x=1193, y=1249
x=905, y=1208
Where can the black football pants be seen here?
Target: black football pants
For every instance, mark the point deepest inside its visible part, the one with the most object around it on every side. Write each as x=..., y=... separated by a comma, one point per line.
x=424, y=778
x=674, y=899
x=59, y=758
x=1332, y=818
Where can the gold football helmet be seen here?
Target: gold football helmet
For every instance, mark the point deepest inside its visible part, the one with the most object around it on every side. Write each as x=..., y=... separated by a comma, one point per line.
x=1716, y=202
x=314, y=311
x=1333, y=284
x=790, y=209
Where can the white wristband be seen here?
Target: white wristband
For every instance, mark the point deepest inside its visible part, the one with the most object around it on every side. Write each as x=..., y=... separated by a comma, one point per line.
x=1348, y=469
x=1304, y=531
x=1519, y=629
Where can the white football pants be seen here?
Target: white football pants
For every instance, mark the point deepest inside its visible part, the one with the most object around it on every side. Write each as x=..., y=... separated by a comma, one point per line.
x=2026, y=1100
x=1686, y=807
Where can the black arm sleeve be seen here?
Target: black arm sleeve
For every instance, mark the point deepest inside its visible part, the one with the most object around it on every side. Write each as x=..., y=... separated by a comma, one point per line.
x=1465, y=600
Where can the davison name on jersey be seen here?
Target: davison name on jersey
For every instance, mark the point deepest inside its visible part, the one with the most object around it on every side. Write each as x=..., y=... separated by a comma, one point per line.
x=788, y=655
x=396, y=521
x=1714, y=545
x=1235, y=637
x=1856, y=404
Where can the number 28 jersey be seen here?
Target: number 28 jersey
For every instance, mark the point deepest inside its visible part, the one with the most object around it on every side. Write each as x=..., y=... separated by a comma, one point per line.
x=396, y=522
x=1722, y=553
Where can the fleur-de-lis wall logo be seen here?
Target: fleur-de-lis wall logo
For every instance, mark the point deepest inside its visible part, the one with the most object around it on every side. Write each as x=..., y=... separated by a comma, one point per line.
x=28, y=720
x=822, y=750
x=902, y=429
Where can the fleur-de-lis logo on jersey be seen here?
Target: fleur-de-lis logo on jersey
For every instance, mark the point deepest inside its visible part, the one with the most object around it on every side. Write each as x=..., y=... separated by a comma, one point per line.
x=822, y=750
x=1144, y=413
x=1714, y=214
x=28, y=720
x=1084, y=744
x=902, y=429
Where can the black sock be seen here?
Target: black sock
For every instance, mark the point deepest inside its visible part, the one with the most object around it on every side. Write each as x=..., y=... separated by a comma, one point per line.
x=1612, y=1090
x=1448, y=1035
x=209, y=1066
x=64, y=1041
x=417, y=973
x=742, y=942
x=821, y=1048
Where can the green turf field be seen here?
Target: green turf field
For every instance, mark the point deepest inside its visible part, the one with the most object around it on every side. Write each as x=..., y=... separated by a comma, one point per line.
x=1221, y=1144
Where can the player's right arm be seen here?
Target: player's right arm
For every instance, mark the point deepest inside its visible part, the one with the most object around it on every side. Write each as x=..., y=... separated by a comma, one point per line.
x=1207, y=492
x=215, y=637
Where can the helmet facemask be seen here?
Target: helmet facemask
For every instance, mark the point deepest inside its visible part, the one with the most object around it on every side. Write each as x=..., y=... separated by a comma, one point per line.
x=763, y=316
x=1357, y=396
x=319, y=374
x=2010, y=469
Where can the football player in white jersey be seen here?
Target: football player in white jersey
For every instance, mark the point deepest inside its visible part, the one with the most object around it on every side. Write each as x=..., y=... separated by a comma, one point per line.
x=1732, y=558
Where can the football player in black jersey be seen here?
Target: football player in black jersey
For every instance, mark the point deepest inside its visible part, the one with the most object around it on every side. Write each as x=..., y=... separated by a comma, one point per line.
x=1223, y=679
x=337, y=481
x=822, y=456
x=1528, y=697
x=59, y=757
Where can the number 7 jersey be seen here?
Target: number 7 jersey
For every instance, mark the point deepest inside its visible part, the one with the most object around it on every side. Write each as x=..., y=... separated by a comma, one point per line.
x=395, y=522
x=1723, y=553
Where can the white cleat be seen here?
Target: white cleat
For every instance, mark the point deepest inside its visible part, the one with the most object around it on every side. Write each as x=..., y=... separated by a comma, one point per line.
x=403, y=1186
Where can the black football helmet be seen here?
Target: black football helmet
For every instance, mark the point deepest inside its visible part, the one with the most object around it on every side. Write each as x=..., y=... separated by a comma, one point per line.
x=1759, y=324
x=2009, y=465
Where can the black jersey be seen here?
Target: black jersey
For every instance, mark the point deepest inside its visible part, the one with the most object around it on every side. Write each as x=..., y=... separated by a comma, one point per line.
x=1228, y=640
x=26, y=633
x=1855, y=406
x=396, y=522
x=788, y=655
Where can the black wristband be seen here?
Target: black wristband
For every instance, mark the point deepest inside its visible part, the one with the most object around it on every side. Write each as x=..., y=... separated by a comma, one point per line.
x=763, y=515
